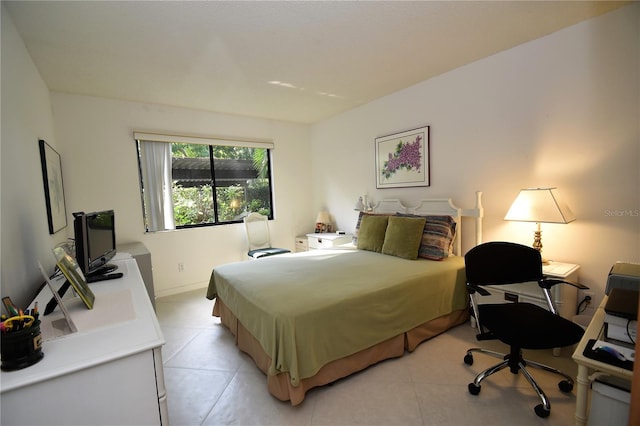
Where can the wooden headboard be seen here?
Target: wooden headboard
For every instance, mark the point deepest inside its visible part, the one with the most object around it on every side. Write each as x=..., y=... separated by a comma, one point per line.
x=441, y=207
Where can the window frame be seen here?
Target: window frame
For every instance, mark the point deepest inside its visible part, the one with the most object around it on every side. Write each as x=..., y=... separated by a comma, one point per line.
x=211, y=142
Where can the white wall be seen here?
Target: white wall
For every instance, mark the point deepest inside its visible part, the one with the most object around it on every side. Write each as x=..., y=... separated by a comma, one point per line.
x=26, y=118
x=101, y=172
x=559, y=111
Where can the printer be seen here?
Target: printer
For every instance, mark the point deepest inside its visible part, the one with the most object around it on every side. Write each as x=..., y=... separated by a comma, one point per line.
x=621, y=310
x=625, y=275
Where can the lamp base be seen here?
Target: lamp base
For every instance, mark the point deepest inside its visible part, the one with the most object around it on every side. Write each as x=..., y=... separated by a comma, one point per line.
x=537, y=243
x=537, y=239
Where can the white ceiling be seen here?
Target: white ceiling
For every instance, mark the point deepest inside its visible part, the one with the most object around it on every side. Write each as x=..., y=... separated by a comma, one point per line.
x=285, y=60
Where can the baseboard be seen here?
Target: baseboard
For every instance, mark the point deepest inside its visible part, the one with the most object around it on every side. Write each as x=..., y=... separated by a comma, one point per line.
x=183, y=289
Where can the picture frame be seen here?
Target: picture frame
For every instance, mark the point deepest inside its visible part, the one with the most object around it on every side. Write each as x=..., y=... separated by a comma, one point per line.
x=74, y=275
x=53, y=187
x=65, y=312
x=402, y=159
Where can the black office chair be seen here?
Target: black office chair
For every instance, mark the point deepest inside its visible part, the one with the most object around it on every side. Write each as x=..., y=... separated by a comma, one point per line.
x=519, y=325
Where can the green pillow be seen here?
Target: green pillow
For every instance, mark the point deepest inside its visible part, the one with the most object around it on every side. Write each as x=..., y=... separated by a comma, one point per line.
x=403, y=237
x=371, y=234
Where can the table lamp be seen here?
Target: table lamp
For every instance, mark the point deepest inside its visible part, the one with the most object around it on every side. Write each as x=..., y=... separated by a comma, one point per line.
x=323, y=222
x=540, y=205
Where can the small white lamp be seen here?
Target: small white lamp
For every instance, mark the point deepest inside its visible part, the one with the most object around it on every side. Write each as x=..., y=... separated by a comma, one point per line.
x=540, y=205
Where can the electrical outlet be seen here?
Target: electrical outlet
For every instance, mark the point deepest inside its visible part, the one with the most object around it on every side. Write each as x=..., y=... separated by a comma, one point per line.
x=584, y=293
x=586, y=298
x=591, y=294
x=180, y=267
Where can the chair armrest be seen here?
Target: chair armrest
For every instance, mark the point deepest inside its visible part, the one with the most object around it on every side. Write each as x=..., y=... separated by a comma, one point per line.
x=548, y=283
x=474, y=288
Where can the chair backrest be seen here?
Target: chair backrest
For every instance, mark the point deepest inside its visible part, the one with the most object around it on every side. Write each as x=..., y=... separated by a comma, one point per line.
x=497, y=263
x=257, y=230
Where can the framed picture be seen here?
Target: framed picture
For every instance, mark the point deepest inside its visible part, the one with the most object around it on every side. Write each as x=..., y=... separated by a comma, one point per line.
x=53, y=189
x=402, y=159
x=73, y=274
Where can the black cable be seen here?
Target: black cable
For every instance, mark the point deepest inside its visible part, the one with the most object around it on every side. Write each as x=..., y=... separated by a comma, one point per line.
x=586, y=301
x=629, y=332
x=54, y=302
x=55, y=274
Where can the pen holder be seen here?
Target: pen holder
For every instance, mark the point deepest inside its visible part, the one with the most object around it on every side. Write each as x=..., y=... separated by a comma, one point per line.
x=22, y=348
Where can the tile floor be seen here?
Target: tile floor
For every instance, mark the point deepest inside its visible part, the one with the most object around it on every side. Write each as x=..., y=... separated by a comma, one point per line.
x=209, y=382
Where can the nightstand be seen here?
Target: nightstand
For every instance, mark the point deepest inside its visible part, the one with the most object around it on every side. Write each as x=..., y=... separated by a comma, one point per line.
x=564, y=296
x=328, y=240
x=302, y=243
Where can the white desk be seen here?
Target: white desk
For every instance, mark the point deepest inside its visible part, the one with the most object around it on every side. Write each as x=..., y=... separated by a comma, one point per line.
x=586, y=365
x=109, y=372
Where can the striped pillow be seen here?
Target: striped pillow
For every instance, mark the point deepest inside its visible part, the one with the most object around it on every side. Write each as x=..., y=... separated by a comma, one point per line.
x=437, y=236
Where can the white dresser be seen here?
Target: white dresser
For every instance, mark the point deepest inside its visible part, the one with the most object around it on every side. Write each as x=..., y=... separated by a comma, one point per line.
x=108, y=372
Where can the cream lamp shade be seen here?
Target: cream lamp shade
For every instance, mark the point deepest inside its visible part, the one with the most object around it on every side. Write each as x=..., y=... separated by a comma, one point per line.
x=540, y=205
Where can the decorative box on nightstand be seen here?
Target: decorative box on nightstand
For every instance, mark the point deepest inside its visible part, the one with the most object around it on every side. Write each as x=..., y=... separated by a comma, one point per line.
x=564, y=296
x=328, y=240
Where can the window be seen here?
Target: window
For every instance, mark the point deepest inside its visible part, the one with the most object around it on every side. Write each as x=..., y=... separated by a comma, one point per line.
x=189, y=181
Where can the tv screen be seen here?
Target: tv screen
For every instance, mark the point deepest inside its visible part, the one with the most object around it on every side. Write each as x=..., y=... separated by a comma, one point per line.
x=95, y=240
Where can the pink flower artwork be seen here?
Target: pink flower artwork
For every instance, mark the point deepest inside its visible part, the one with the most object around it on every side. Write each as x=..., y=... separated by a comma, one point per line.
x=407, y=156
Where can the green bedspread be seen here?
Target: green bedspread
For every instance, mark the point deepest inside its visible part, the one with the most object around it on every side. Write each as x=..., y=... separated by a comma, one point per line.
x=308, y=309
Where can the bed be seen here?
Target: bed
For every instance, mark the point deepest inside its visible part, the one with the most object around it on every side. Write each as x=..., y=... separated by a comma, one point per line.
x=308, y=319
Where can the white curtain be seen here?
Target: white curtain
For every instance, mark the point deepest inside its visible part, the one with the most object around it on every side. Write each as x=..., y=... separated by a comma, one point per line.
x=155, y=159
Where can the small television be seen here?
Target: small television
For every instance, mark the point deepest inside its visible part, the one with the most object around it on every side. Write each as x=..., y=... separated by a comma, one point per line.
x=95, y=241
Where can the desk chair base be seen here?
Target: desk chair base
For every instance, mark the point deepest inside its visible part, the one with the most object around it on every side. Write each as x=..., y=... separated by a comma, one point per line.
x=517, y=364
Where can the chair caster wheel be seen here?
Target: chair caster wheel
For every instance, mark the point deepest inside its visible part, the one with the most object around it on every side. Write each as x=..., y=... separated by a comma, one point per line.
x=565, y=386
x=468, y=359
x=541, y=411
x=474, y=389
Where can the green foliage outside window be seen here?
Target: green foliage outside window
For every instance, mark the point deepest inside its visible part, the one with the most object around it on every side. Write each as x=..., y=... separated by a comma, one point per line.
x=259, y=197
x=194, y=205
